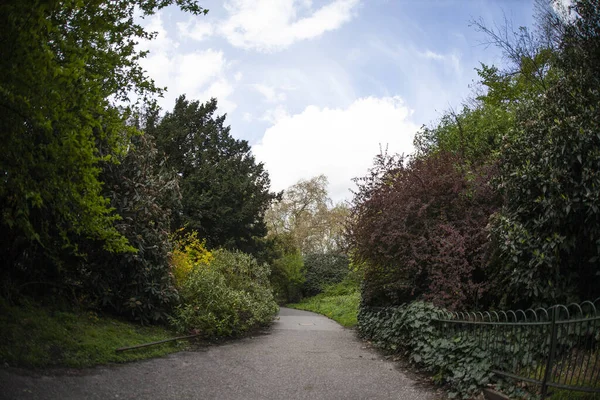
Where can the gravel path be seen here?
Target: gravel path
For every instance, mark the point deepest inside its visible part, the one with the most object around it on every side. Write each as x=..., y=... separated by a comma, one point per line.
x=304, y=356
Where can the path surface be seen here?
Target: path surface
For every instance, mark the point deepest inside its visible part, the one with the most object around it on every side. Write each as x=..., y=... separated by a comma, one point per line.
x=305, y=356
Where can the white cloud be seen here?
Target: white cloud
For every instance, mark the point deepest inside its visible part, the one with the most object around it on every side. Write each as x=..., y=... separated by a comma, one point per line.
x=161, y=41
x=269, y=25
x=432, y=55
x=275, y=115
x=199, y=75
x=563, y=9
x=194, y=70
x=434, y=81
x=561, y=5
x=221, y=89
x=339, y=143
x=195, y=29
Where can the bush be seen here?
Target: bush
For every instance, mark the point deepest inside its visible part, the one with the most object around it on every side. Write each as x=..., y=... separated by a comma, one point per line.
x=410, y=329
x=188, y=251
x=227, y=297
x=419, y=230
x=136, y=284
x=322, y=269
x=288, y=277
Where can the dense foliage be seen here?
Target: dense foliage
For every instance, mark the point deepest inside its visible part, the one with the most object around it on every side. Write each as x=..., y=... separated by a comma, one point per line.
x=323, y=269
x=548, y=233
x=225, y=193
x=525, y=146
x=93, y=209
x=410, y=329
x=226, y=297
x=61, y=62
x=418, y=227
x=139, y=283
x=287, y=267
x=501, y=198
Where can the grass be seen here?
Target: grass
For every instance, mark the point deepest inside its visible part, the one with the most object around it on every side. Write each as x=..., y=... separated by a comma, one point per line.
x=338, y=302
x=36, y=336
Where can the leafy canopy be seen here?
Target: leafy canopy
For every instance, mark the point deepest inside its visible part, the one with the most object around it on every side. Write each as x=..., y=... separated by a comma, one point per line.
x=225, y=192
x=64, y=66
x=307, y=214
x=548, y=232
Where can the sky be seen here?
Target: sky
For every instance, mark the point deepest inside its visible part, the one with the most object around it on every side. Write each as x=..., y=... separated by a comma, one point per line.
x=320, y=86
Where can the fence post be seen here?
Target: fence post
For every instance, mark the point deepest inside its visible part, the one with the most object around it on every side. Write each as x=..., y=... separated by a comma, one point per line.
x=550, y=362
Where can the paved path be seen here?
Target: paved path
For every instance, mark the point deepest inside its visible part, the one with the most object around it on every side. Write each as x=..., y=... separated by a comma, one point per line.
x=305, y=356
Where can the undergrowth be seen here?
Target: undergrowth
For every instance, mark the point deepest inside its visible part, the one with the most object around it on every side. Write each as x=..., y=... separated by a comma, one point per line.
x=36, y=336
x=409, y=329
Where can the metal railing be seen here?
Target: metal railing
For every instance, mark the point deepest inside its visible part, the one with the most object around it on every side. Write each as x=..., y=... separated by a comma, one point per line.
x=555, y=347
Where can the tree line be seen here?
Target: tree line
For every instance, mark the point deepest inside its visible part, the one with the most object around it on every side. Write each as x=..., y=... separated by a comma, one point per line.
x=116, y=205
x=99, y=192
x=499, y=206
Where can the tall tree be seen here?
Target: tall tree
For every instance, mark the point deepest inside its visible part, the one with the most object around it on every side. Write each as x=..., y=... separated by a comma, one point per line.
x=225, y=192
x=306, y=213
x=63, y=64
x=548, y=232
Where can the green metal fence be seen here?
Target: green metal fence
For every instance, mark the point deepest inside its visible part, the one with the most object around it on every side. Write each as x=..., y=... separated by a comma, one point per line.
x=555, y=347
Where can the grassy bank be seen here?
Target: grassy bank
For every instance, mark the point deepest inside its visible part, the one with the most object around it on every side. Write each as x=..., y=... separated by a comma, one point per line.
x=338, y=302
x=36, y=336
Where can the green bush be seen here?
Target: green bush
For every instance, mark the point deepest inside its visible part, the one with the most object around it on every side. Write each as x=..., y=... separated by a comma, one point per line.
x=136, y=284
x=288, y=277
x=322, y=269
x=227, y=297
x=410, y=329
x=548, y=232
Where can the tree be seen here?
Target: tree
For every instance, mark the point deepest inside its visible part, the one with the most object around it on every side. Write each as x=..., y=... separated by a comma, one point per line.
x=476, y=132
x=548, y=233
x=287, y=274
x=473, y=134
x=225, y=192
x=64, y=65
x=323, y=269
x=306, y=213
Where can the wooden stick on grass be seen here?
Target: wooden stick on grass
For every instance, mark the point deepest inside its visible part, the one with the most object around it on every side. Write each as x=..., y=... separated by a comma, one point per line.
x=155, y=343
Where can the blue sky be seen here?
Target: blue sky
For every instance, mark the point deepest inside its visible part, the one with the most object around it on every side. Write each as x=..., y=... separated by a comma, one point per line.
x=318, y=86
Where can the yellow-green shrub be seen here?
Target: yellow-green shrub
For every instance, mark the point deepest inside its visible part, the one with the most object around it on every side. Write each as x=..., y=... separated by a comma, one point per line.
x=188, y=252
